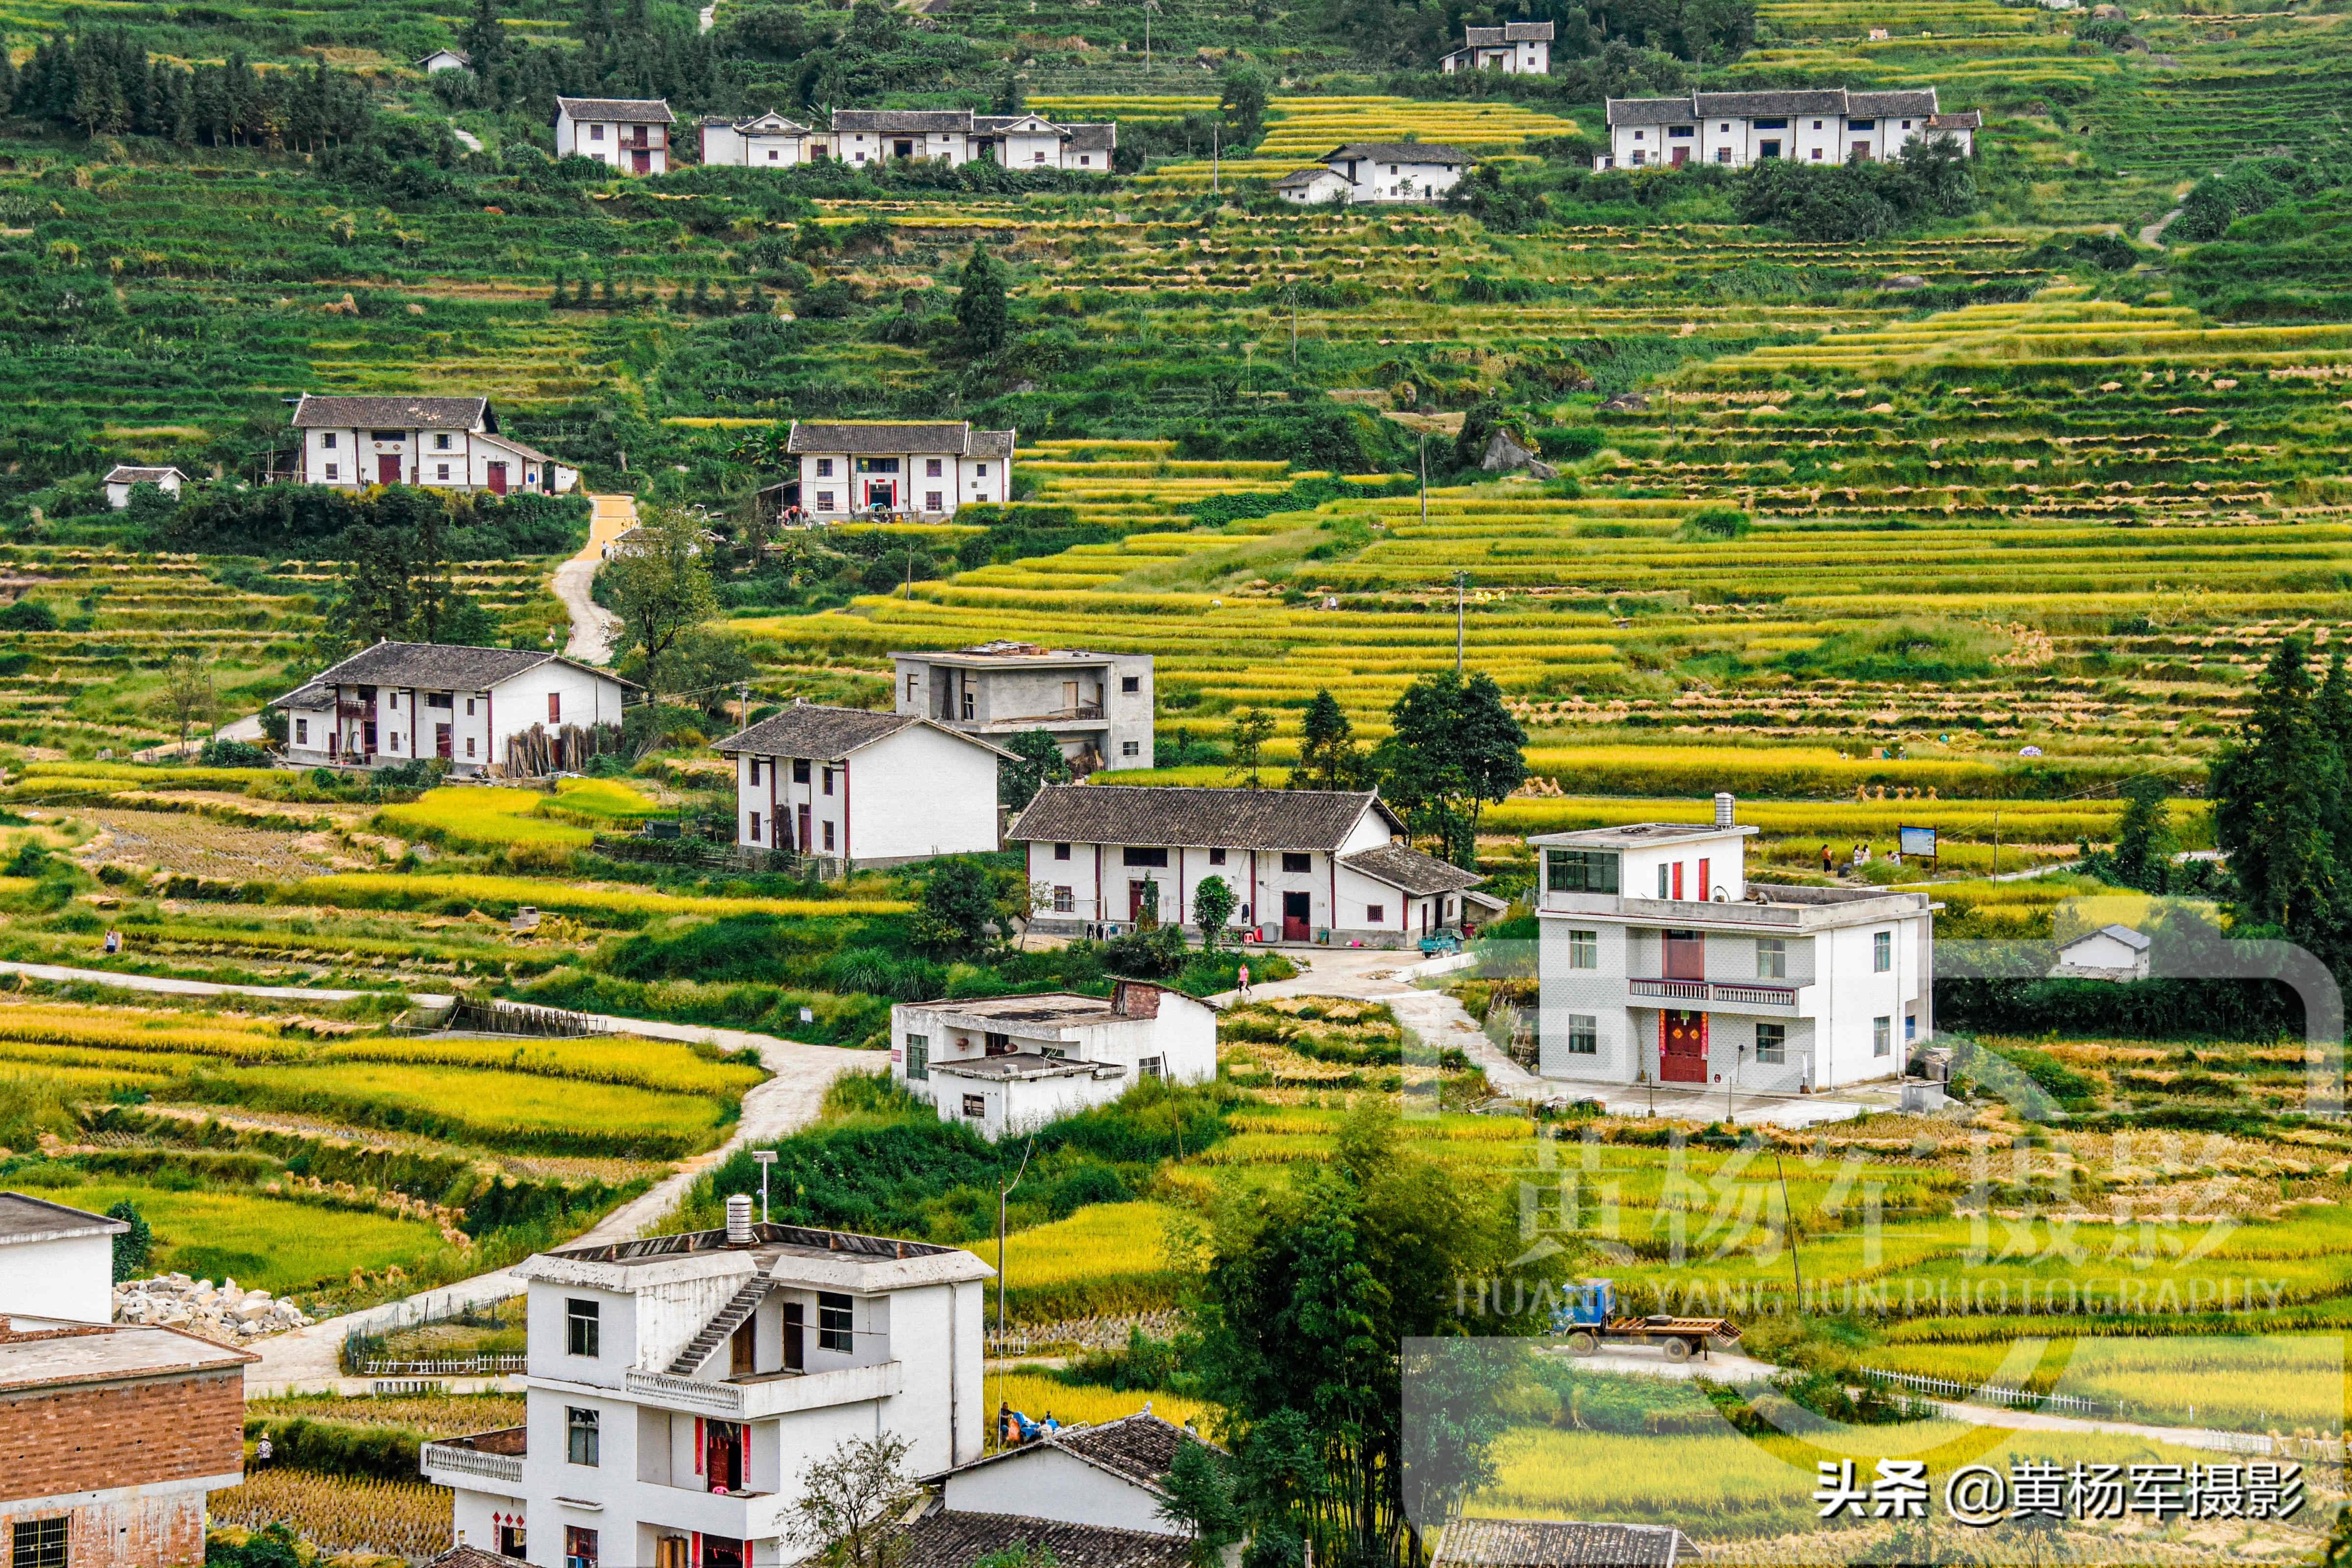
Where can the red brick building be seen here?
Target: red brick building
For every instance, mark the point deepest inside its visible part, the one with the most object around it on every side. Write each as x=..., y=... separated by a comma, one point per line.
x=111, y=1436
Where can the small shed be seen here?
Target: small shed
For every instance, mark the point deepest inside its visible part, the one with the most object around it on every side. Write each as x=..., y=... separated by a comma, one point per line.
x=2113, y=953
x=445, y=61
x=124, y=479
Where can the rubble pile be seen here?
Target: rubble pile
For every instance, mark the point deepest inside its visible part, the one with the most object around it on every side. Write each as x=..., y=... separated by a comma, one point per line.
x=226, y=1311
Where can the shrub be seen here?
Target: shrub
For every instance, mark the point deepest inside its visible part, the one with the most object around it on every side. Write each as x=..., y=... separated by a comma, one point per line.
x=1714, y=522
x=29, y=615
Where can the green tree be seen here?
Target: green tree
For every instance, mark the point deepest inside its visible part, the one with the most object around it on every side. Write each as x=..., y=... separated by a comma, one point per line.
x=188, y=695
x=853, y=1503
x=1328, y=757
x=1452, y=749
x=1037, y=761
x=133, y=1247
x=1478, y=427
x=960, y=902
x=2145, y=842
x=1198, y=1499
x=661, y=588
x=1307, y=1296
x=708, y=669
x=979, y=309
x=1253, y=728
x=1212, y=906
x=484, y=39
x=1243, y=105
x=2274, y=790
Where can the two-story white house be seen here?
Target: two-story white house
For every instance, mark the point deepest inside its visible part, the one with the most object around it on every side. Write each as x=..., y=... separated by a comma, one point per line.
x=632, y=134
x=1812, y=125
x=680, y=1388
x=1004, y=1066
x=899, y=469
x=768, y=141
x=1376, y=172
x=473, y=708
x=434, y=443
x=1097, y=706
x=1515, y=48
x=1661, y=962
x=879, y=789
x=868, y=137
x=1304, y=866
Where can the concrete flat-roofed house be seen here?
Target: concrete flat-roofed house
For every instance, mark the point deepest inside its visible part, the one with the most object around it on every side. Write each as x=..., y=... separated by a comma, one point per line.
x=111, y=1435
x=767, y=141
x=434, y=443
x=679, y=1389
x=1097, y=706
x=921, y=471
x=1112, y=1475
x=1661, y=962
x=1303, y=865
x=1395, y=171
x=1515, y=48
x=2111, y=952
x=878, y=789
x=518, y=710
x=1809, y=125
x=124, y=477
x=1004, y=1066
x=632, y=134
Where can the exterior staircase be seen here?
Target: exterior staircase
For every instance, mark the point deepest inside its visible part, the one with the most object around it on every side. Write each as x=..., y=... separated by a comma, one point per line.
x=728, y=1318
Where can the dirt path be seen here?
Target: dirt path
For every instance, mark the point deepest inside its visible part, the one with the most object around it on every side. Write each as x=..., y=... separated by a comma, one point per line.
x=165, y=982
x=593, y=626
x=2154, y=233
x=1374, y=974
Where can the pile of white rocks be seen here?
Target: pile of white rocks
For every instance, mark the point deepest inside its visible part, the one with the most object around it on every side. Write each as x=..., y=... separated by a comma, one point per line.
x=224, y=1311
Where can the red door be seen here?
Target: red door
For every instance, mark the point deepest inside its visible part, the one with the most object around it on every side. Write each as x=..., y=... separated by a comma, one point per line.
x=1138, y=900
x=387, y=468
x=802, y=844
x=441, y=740
x=498, y=479
x=1681, y=1047
x=641, y=162
x=1682, y=156
x=1296, y=913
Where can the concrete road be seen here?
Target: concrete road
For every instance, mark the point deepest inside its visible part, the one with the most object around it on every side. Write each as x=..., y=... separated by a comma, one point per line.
x=593, y=627
x=1375, y=974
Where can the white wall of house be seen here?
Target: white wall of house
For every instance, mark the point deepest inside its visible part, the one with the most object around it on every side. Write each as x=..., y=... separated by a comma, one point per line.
x=1404, y=182
x=614, y=142
x=1099, y=878
x=834, y=482
x=1051, y=1483
x=1181, y=1039
x=908, y=796
x=1738, y=141
x=1000, y=1108
x=434, y=460
x=65, y=1277
x=1323, y=186
x=408, y=718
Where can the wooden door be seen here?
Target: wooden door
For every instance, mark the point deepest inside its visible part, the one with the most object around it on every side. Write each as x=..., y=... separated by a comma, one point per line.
x=498, y=479
x=641, y=162
x=387, y=468
x=441, y=742
x=743, y=1348
x=1682, y=156
x=802, y=843
x=794, y=1361
x=1681, y=1047
x=1296, y=913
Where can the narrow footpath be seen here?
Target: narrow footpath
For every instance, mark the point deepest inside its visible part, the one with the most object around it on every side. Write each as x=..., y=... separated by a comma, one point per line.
x=593, y=627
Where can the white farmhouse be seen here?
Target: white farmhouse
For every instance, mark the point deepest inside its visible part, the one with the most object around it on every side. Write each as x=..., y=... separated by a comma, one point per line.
x=445, y=61
x=2111, y=952
x=1004, y=1065
x=632, y=134
x=434, y=443
x=124, y=477
x=879, y=789
x=1661, y=962
x=1112, y=1475
x=1378, y=172
x=474, y=708
x=1812, y=125
x=58, y=1262
x=1304, y=866
x=680, y=1388
x=767, y=141
x=1096, y=705
x=922, y=471
x=872, y=137
x=1515, y=48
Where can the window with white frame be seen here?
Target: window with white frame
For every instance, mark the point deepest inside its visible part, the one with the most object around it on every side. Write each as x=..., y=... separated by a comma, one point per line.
x=1772, y=958
x=1882, y=1035
x=1882, y=951
x=1584, y=950
x=1583, y=1035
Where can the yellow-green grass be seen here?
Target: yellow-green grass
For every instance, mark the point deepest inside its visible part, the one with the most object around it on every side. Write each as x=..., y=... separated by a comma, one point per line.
x=126, y=1029
x=508, y=1107
x=2252, y=1383
x=492, y=818
x=663, y=1064
x=364, y=889
x=1106, y=1258
x=1037, y=1395
x=279, y=1244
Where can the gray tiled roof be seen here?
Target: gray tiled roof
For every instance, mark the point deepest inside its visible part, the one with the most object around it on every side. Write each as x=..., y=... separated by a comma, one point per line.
x=1301, y=177
x=460, y=56
x=24, y=1218
x=897, y=121
x=1824, y=101
x=998, y=124
x=314, y=412
x=629, y=110
x=828, y=734
x=951, y=438
x=1154, y=815
x=1409, y=872
x=469, y=1557
x=1959, y=119
x=990, y=443
x=944, y=1540
x=1398, y=153
x=775, y=124
x=1142, y=1446
x=1748, y=105
x=435, y=666
x=1093, y=137
x=1558, y=1543
x=1508, y=33
x=1902, y=101
x=125, y=474
x=1650, y=112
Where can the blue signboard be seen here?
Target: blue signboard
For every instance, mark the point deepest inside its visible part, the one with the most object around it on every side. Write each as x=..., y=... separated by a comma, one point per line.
x=1916, y=841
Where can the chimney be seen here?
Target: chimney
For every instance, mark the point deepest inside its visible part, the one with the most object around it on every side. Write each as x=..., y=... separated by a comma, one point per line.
x=739, y=1220
x=1723, y=804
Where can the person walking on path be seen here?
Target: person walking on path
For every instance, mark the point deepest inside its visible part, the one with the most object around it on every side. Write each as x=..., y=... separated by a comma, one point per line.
x=1829, y=862
x=1241, y=984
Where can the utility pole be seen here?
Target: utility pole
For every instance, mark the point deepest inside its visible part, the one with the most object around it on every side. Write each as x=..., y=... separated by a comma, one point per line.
x=1424, y=478
x=1149, y=7
x=1216, y=141
x=1293, y=327
x=1461, y=580
x=766, y=1157
x=1996, y=843
x=1789, y=1224
x=1003, y=1192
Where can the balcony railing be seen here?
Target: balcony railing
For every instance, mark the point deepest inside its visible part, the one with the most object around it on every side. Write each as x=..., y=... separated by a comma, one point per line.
x=491, y=1456
x=770, y=1394
x=1737, y=996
